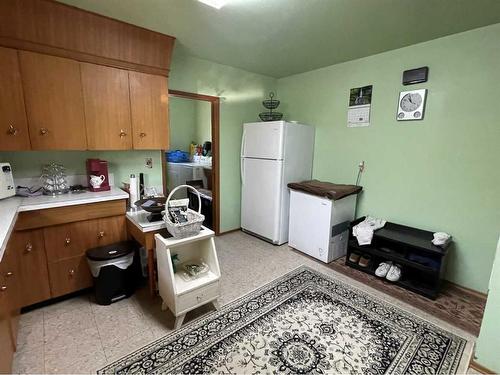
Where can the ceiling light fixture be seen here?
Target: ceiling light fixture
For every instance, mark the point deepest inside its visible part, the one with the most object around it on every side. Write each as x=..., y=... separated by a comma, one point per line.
x=217, y=4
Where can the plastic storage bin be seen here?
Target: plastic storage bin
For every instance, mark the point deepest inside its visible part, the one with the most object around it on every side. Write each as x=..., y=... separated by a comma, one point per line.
x=177, y=156
x=113, y=272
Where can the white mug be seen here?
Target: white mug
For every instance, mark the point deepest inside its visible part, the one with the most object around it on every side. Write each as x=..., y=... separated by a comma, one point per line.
x=96, y=181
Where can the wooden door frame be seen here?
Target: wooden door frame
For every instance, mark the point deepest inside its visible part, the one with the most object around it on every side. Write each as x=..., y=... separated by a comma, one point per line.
x=215, y=120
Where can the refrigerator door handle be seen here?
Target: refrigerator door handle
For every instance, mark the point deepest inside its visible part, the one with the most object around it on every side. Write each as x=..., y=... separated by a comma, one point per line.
x=243, y=142
x=242, y=170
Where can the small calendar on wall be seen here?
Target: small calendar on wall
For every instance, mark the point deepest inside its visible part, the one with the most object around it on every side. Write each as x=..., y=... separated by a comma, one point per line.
x=360, y=101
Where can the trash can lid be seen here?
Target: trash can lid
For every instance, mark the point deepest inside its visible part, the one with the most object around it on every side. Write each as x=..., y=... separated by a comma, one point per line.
x=113, y=251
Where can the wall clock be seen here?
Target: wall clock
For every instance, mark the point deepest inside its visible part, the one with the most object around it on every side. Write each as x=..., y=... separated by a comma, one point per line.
x=411, y=105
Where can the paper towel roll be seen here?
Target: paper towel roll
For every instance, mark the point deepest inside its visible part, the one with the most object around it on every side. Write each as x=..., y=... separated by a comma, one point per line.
x=133, y=191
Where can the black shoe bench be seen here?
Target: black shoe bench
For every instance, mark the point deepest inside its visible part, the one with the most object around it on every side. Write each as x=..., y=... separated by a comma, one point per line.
x=422, y=263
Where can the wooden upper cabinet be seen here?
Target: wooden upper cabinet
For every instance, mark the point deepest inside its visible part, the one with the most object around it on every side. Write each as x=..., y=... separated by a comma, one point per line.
x=51, y=27
x=54, y=102
x=149, y=109
x=107, y=107
x=13, y=124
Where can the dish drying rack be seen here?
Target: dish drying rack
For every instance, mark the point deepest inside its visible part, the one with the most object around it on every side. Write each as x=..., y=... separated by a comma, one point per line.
x=54, y=180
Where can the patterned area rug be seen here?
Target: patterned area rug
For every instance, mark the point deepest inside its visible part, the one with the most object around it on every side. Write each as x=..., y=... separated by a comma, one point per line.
x=304, y=322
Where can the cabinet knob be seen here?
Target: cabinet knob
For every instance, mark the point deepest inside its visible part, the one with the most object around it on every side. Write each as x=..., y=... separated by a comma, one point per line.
x=28, y=247
x=122, y=133
x=142, y=135
x=44, y=131
x=9, y=274
x=198, y=298
x=3, y=288
x=71, y=273
x=101, y=234
x=12, y=130
x=67, y=241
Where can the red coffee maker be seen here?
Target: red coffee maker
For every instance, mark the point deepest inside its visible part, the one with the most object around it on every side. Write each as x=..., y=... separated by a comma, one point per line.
x=97, y=175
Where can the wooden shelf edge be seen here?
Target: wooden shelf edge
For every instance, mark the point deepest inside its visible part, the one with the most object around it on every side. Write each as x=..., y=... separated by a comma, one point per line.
x=480, y=368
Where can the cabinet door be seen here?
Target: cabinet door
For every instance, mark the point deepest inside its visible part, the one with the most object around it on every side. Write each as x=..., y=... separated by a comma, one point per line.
x=54, y=103
x=10, y=287
x=27, y=249
x=66, y=240
x=6, y=344
x=149, y=108
x=107, y=107
x=13, y=124
x=107, y=231
x=69, y=275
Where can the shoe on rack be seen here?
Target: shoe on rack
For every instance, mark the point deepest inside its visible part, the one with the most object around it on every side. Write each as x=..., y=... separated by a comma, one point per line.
x=394, y=273
x=383, y=268
x=364, y=261
x=354, y=257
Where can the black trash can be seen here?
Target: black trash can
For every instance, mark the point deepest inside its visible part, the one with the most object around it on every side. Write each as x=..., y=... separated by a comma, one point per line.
x=112, y=267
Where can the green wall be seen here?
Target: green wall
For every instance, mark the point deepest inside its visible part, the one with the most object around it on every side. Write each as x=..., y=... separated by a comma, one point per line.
x=241, y=94
x=440, y=173
x=182, y=118
x=489, y=337
x=203, y=122
x=190, y=121
x=121, y=163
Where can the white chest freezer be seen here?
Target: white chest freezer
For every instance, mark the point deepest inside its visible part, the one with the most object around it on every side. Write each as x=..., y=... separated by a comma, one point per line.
x=318, y=226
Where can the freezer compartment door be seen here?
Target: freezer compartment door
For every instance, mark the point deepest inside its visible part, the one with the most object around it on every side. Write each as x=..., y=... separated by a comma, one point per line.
x=263, y=140
x=261, y=197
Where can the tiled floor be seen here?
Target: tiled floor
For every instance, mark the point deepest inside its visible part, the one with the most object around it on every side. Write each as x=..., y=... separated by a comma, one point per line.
x=79, y=336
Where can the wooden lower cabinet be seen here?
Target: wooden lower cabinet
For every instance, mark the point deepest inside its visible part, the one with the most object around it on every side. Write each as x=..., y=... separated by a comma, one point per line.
x=66, y=240
x=9, y=311
x=69, y=275
x=27, y=247
x=107, y=231
x=45, y=256
x=66, y=245
x=6, y=345
x=10, y=287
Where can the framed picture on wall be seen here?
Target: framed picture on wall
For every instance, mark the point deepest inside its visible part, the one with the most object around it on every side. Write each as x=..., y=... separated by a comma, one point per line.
x=360, y=101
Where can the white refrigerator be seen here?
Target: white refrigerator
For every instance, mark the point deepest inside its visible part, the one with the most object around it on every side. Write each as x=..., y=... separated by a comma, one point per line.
x=272, y=155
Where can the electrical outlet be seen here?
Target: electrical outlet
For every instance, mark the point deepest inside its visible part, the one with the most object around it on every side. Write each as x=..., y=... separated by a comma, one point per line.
x=149, y=162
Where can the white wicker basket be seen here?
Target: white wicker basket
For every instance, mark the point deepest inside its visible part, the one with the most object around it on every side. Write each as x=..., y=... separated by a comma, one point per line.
x=195, y=219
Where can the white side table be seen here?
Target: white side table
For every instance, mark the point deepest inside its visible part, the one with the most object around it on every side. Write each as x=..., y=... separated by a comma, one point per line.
x=179, y=295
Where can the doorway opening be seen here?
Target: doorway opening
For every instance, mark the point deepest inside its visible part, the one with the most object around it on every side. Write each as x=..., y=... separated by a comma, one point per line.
x=194, y=129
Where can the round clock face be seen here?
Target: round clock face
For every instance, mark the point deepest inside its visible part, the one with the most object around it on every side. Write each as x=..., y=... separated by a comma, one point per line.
x=410, y=102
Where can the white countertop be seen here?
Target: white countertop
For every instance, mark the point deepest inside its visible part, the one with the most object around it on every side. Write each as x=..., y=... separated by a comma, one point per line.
x=193, y=164
x=9, y=207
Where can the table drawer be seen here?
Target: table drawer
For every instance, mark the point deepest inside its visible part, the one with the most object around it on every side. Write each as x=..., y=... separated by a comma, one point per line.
x=66, y=241
x=197, y=297
x=69, y=275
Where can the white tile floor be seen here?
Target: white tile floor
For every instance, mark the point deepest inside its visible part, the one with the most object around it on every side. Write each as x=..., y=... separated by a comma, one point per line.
x=79, y=336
